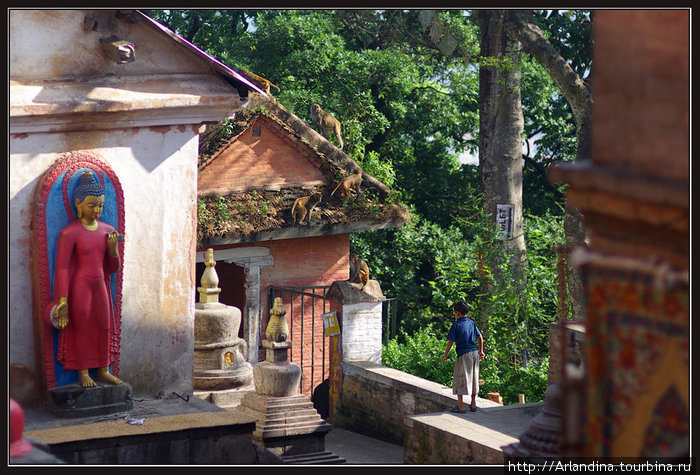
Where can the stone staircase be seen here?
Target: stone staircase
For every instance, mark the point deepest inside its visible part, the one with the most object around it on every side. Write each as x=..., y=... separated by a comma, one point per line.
x=316, y=458
x=283, y=416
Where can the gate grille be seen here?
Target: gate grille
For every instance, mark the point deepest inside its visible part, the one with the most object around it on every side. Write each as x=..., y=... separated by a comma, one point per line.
x=305, y=307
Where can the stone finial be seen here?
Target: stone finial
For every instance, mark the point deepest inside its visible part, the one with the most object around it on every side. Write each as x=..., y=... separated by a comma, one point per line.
x=209, y=291
x=277, y=329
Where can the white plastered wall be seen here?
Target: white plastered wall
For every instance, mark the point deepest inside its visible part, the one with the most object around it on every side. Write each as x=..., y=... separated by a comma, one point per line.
x=157, y=171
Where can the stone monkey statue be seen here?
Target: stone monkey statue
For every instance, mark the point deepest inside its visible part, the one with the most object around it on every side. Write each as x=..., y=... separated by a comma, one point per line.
x=259, y=81
x=359, y=272
x=303, y=207
x=327, y=123
x=347, y=183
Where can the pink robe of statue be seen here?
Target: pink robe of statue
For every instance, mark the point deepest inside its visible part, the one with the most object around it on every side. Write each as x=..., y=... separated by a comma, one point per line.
x=83, y=269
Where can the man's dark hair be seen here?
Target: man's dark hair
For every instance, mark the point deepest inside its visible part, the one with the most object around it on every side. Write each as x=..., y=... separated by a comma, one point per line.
x=462, y=307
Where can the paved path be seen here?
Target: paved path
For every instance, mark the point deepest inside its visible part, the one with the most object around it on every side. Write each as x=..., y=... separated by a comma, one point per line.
x=360, y=449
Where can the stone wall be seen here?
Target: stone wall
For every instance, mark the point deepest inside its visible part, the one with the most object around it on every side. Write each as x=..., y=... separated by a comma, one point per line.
x=428, y=444
x=375, y=399
x=362, y=332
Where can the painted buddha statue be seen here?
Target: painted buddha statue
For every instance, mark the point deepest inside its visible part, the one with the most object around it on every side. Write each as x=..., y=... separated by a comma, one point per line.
x=86, y=256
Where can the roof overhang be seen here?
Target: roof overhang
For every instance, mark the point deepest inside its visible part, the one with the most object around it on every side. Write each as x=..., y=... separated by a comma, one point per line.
x=108, y=103
x=212, y=62
x=301, y=232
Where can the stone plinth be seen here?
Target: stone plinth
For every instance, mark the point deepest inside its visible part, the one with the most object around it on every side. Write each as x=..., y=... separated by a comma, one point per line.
x=361, y=320
x=276, y=376
x=73, y=400
x=286, y=425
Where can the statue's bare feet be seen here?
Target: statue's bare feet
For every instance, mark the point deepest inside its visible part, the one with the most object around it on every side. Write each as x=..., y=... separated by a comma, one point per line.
x=105, y=376
x=85, y=380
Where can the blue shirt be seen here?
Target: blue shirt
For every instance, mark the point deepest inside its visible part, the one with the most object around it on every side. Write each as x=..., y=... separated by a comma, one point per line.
x=463, y=332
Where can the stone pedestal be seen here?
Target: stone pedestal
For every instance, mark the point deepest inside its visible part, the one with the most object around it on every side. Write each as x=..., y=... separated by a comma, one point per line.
x=287, y=424
x=542, y=439
x=276, y=376
x=73, y=400
x=361, y=310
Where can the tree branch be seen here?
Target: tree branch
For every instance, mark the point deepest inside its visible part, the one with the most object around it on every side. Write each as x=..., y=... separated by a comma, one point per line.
x=521, y=25
x=542, y=171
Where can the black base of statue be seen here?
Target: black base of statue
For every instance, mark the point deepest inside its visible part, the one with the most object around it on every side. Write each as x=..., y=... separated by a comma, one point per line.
x=73, y=400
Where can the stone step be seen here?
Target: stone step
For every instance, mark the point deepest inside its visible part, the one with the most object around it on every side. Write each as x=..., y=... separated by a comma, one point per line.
x=289, y=430
x=287, y=408
x=315, y=458
x=295, y=426
x=275, y=404
x=307, y=415
x=301, y=426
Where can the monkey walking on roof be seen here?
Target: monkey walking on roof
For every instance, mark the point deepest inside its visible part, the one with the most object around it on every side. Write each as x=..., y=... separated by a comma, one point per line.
x=303, y=207
x=259, y=81
x=347, y=183
x=327, y=123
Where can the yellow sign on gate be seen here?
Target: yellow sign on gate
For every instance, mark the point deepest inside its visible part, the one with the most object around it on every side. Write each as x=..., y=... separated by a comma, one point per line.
x=330, y=324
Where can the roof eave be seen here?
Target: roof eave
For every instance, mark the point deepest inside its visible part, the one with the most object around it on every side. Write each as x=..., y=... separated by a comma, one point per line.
x=302, y=232
x=214, y=63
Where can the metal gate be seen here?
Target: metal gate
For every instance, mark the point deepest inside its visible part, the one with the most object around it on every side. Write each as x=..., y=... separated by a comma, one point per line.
x=305, y=307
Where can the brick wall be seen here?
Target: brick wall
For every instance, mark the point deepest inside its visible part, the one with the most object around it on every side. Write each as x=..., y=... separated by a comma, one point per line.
x=269, y=160
x=311, y=261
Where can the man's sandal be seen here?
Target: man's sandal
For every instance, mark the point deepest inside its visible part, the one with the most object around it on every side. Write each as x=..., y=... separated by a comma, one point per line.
x=457, y=410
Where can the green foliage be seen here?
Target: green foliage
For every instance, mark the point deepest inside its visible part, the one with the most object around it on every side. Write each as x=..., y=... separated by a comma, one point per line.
x=382, y=170
x=408, y=111
x=514, y=317
x=222, y=208
x=420, y=354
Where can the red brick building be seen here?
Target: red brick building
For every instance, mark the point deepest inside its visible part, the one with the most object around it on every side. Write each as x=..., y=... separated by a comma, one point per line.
x=251, y=171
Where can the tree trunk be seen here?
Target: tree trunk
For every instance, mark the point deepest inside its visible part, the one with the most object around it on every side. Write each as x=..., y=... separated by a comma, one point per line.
x=521, y=26
x=501, y=133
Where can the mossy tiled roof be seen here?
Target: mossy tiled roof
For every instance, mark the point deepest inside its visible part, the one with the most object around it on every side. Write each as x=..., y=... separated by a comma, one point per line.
x=261, y=214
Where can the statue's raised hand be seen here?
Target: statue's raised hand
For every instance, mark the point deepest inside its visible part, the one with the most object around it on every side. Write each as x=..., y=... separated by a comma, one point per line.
x=112, y=242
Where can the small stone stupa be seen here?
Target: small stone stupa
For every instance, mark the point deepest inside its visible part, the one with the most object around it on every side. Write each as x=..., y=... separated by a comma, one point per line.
x=287, y=423
x=218, y=351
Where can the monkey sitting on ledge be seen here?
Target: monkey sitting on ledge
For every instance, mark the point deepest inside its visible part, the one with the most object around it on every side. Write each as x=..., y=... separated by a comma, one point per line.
x=359, y=272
